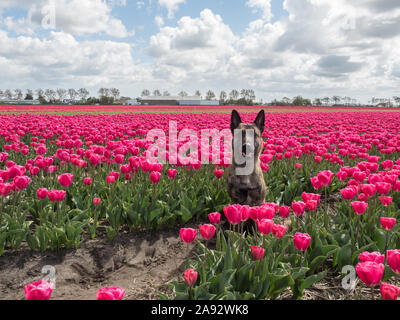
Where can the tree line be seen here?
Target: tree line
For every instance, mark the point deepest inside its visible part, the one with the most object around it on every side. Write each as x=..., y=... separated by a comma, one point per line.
x=60, y=95
x=234, y=97
x=335, y=101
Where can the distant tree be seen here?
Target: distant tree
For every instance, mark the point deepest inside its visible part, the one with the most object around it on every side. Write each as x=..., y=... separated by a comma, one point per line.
x=197, y=93
x=222, y=96
x=102, y=92
x=243, y=93
x=115, y=93
x=317, y=102
x=145, y=93
x=397, y=100
x=234, y=94
x=72, y=93
x=251, y=95
x=326, y=100
x=8, y=94
x=166, y=94
x=18, y=94
x=61, y=94
x=91, y=100
x=285, y=101
x=300, y=101
x=183, y=94
x=50, y=94
x=83, y=94
x=156, y=93
x=336, y=99
x=29, y=95
x=105, y=100
x=210, y=95
x=40, y=93
x=1, y=94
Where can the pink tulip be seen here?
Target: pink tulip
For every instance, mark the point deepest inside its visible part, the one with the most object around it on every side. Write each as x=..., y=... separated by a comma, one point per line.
x=87, y=181
x=172, y=173
x=56, y=195
x=298, y=207
x=38, y=290
x=359, y=207
x=393, y=260
x=278, y=230
x=110, y=179
x=207, y=231
x=389, y=291
x=298, y=166
x=257, y=252
x=214, y=217
x=371, y=256
x=155, y=177
x=65, y=179
x=265, y=226
x=325, y=177
x=387, y=223
x=233, y=214
x=42, y=193
x=190, y=277
x=187, y=234
x=370, y=272
x=21, y=182
x=110, y=293
x=385, y=201
x=301, y=241
x=349, y=193
x=218, y=173
x=284, y=211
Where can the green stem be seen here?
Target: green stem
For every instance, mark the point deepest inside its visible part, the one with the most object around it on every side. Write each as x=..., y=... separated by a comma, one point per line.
x=358, y=230
x=386, y=243
x=190, y=293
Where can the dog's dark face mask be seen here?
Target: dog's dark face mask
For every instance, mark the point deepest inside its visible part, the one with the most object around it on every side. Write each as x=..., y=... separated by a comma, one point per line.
x=249, y=137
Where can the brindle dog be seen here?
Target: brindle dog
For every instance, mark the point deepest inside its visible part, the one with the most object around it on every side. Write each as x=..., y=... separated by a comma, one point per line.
x=247, y=189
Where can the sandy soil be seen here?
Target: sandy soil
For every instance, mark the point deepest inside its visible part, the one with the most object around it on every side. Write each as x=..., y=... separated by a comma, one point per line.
x=140, y=262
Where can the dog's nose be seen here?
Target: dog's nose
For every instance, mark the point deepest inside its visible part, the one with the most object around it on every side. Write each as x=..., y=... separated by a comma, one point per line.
x=247, y=148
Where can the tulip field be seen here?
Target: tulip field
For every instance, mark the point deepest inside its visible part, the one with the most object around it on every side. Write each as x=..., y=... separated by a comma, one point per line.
x=80, y=186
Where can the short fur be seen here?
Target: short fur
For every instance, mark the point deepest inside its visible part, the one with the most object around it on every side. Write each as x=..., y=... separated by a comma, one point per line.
x=248, y=189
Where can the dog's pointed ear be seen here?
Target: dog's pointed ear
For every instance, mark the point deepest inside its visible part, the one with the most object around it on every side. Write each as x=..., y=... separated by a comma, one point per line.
x=235, y=120
x=260, y=121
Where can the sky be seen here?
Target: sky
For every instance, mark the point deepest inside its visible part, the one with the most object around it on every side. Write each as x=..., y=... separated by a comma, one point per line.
x=278, y=48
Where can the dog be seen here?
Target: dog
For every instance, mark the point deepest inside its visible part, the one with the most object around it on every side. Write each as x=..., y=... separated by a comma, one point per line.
x=247, y=189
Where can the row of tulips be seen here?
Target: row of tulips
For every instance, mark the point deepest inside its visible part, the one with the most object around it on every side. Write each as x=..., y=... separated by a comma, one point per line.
x=42, y=290
x=248, y=268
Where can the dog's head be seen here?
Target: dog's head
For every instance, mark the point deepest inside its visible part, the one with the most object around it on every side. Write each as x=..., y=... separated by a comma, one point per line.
x=250, y=140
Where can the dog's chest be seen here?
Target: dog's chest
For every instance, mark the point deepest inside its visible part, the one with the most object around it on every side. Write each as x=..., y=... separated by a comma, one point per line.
x=247, y=182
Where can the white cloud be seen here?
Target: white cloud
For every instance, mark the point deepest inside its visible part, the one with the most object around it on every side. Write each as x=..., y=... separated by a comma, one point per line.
x=263, y=5
x=193, y=48
x=77, y=17
x=171, y=6
x=61, y=60
x=321, y=48
x=159, y=21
